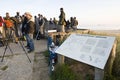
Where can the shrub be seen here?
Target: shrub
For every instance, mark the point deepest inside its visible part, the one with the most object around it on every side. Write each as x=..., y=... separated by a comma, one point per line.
x=116, y=64
x=63, y=72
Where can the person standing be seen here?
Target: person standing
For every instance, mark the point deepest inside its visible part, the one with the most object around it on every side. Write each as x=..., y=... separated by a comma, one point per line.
x=1, y=27
x=41, y=24
x=18, y=25
x=62, y=21
x=9, y=27
x=36, y=26
x=29, y=31
x=75, y=23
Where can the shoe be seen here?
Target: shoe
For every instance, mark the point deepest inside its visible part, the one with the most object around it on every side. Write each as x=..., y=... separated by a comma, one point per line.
x=27, y=47
x=16, y=42
x=30, y=51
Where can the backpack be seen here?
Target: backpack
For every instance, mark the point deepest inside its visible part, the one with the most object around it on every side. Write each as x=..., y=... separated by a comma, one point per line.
x=9, y=23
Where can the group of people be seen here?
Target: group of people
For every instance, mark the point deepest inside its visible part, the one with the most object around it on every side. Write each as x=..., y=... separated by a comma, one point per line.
x=62, y=25
x=29, y=26
x=17, y=26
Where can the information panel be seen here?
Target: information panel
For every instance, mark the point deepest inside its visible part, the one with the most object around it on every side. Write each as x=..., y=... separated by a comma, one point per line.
x=89, y=49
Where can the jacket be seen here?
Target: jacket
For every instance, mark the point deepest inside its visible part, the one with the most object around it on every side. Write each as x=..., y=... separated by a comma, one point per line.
x=1, y=21
x=62, y=20
x=29, y=27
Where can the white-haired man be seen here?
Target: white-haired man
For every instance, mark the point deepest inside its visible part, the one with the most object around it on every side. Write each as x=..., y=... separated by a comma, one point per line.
x=29, y=30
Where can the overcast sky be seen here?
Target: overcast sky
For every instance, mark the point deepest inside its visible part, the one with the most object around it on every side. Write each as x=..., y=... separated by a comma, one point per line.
x=88, y=12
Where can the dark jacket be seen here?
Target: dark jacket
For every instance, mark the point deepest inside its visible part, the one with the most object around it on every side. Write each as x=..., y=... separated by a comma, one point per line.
x=62, y=19
x=29, y=27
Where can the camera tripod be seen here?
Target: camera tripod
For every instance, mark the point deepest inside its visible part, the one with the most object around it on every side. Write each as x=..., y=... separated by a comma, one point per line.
x=9, y=37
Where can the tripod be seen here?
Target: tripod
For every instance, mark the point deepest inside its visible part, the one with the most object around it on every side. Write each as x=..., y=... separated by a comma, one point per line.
x=1, y=39
x=38, y=33
x=7, y=46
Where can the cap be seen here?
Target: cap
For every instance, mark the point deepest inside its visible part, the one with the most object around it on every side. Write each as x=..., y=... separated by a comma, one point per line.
x=17, y=12
x=28, y=13
x=61, y=9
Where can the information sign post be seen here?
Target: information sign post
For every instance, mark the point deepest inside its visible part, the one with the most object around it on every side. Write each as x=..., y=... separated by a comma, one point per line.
x=93, y=50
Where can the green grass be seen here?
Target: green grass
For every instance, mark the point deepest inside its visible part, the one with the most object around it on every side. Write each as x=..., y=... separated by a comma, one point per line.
x=4, y=68
x=46, y=53
x=116, y=64
x=63, y=72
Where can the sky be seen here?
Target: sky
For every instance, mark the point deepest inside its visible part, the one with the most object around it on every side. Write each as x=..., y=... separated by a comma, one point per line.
x=87, y=12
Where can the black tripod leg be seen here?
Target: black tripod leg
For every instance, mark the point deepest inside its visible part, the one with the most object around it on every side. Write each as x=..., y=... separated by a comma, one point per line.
x=8, y=43
x=37, y=34
x=4, y=52
x=10, y=49
x=7, y=46
x=22, y=42
x=25, y=51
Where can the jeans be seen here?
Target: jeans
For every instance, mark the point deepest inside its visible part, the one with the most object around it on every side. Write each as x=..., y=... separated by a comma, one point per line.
x=29, y=38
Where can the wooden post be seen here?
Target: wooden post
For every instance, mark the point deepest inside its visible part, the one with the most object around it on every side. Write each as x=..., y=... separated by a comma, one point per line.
x=112, y=58
x=60, y=59
x=108, y=67
x=99, y=74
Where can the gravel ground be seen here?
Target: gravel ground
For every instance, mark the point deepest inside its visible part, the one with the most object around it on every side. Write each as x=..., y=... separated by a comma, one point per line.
x=18, y=67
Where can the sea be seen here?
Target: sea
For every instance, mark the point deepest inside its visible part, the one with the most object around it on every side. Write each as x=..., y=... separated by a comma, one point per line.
x=112, y=27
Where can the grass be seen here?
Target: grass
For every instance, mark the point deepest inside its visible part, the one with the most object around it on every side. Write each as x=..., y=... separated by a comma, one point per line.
x=46, y=54
x=116, y=64
x=4, y=68
x=63, y=72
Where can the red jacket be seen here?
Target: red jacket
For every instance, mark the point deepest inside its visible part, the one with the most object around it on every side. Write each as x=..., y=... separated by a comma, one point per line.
x=1, y=21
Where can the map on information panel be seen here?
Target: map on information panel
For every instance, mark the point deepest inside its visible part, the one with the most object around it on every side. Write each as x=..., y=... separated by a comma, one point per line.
x=89, y=49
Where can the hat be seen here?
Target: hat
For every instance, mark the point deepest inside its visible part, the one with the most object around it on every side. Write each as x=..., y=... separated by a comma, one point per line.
x=61, y=9
x=28, y=13
x=17, y=12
